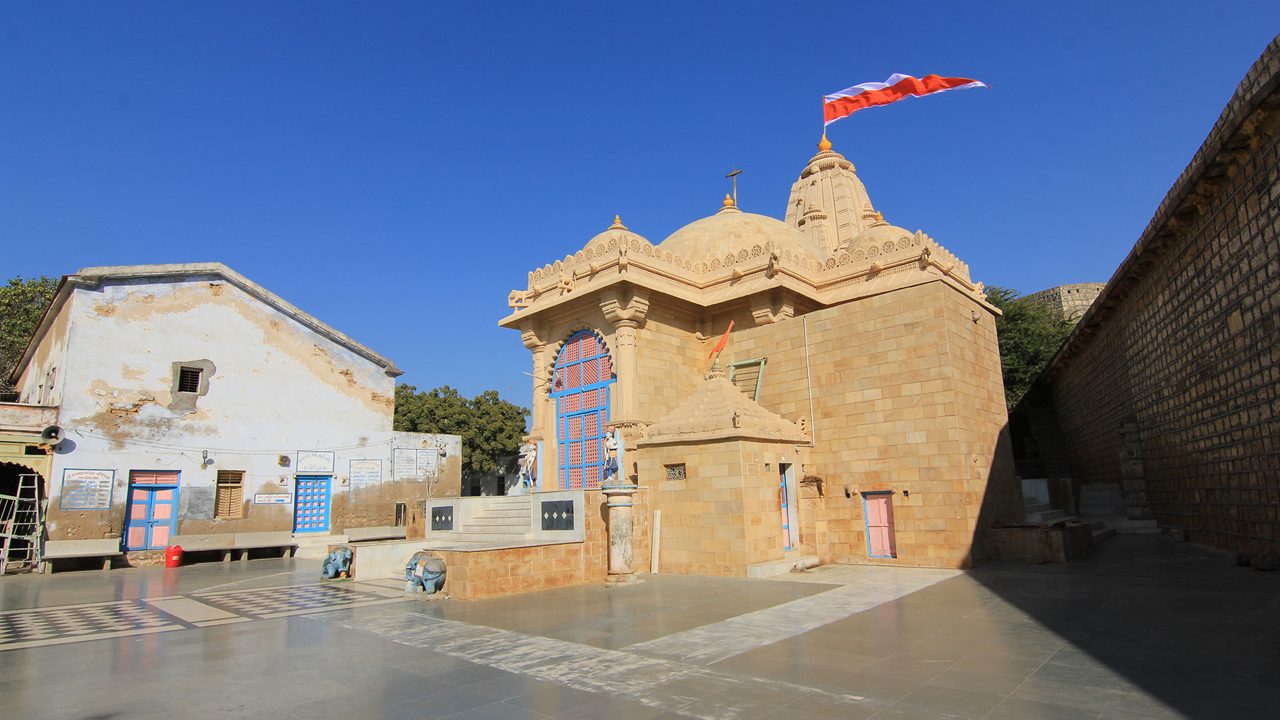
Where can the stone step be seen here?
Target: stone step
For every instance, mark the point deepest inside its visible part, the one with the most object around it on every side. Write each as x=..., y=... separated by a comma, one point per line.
x=481, y=537
x=503, y=513
x=522, y=518
x=1048, y=516
x=1134, y=527
x=774, y=568
x=495, y=526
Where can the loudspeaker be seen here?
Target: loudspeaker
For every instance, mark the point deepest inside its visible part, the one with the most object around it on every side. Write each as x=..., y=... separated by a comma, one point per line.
x=51, y=434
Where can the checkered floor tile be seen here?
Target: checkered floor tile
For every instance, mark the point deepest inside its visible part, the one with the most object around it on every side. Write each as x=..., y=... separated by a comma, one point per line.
x=272, y=602
x=77, y=622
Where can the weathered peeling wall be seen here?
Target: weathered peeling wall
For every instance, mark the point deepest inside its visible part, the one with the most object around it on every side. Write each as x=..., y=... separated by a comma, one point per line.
x=271, y=388
x=43, y=378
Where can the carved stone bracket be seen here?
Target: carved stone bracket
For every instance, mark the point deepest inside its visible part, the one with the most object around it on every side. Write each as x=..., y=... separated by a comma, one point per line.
x=625, y=308
x=534, y=337
x=771, y=308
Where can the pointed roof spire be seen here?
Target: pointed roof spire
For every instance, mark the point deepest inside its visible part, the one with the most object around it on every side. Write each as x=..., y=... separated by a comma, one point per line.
x=617, y=223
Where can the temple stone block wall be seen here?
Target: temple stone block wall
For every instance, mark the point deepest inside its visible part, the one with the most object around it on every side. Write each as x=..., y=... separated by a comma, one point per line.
x=723, y=515
x=891, y=377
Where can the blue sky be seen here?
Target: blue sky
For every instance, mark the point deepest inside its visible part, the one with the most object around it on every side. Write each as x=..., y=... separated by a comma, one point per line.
x=397, y=168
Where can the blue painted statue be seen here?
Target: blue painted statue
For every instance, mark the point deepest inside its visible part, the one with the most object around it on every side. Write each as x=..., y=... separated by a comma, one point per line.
x=614, y=462
x=425, y=573
x=337, y=564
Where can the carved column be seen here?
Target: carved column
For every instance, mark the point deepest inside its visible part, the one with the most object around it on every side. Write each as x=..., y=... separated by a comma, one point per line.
x=534, y=339
x=621, y=530
x=626, y=311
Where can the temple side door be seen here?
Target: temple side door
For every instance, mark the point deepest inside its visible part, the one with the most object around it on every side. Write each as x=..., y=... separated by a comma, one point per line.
x=787, y=492
x=877, y=508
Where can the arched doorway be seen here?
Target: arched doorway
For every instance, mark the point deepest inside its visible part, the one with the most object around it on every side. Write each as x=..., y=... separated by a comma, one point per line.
x=22, y=500
x=580, y=385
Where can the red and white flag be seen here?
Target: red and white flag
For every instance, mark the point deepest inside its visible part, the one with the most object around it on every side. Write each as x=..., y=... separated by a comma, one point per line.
x=873, y=94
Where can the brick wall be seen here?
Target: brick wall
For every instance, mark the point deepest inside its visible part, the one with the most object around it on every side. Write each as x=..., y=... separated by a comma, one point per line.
x=1183, y=341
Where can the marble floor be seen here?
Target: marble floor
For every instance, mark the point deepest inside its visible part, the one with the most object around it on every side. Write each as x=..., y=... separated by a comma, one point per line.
x=1141, y=628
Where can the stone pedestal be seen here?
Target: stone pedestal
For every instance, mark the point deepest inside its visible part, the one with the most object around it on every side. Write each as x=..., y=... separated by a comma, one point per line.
x=621, y=527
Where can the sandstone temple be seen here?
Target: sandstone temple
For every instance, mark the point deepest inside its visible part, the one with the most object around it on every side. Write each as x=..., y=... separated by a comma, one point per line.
x=856, y=413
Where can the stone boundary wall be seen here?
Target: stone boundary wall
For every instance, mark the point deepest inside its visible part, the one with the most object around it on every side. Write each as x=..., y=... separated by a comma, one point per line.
x=1072, y=300
x=1170, y=384
x=480, y=574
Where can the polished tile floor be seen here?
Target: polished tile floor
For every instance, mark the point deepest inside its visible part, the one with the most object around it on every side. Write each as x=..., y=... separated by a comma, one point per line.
x=1142, y=628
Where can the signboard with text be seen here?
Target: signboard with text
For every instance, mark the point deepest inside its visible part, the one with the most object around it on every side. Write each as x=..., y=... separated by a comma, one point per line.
x=86, y=489
x=406, y=463
x=272, y=498
x=365, y=473
x=315, y=461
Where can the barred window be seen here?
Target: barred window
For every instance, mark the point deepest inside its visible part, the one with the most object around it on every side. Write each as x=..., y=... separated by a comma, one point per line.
x=229, y=499
x=189, y=379
x=675, y=471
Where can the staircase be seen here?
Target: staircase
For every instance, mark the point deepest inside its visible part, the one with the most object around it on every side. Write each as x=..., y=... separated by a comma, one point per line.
x=315, y=546
x=502, y=520
x=1103, y=506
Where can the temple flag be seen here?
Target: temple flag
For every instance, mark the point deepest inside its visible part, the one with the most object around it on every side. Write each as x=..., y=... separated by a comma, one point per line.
x=873, y=94
x=723, y=339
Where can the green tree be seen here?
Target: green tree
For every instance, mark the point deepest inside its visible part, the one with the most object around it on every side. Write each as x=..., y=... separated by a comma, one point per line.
x=1030, y=334
x=491, y=428
x=22, y=302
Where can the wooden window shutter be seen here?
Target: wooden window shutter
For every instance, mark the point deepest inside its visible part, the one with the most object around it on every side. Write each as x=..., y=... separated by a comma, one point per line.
x=229, y=497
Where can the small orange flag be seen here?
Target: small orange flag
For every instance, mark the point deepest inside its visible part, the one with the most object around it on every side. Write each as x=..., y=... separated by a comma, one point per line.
x=723, y=339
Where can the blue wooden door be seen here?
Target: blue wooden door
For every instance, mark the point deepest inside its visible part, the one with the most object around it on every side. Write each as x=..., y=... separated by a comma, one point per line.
x=311, y=503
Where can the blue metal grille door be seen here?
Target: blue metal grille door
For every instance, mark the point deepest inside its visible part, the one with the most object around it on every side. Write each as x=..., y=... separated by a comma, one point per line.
x=580, y=385
x=311, y=503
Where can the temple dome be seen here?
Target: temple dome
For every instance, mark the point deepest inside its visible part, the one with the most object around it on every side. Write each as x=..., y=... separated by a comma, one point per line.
x=730, y=231
x=617, y=231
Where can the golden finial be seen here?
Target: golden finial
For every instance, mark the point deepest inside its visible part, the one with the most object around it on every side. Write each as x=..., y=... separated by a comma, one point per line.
x=728, y=201
x=878, y=216
x=824, y=144
x=617, y=223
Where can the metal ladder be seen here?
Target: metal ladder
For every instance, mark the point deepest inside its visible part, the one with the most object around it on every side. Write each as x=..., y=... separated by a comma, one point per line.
x=21, y=522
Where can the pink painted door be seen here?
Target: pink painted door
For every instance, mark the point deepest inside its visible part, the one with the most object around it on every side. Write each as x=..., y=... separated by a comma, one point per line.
x=152, y=514
x=879, y=514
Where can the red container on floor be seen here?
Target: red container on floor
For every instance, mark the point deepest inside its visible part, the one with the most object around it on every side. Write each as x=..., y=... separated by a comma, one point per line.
x=173, y=556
